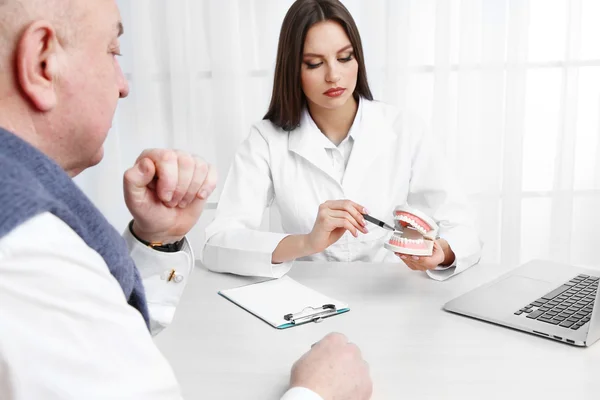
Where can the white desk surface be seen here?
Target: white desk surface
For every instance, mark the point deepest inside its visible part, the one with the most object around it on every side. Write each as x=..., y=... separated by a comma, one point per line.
x=415, y=349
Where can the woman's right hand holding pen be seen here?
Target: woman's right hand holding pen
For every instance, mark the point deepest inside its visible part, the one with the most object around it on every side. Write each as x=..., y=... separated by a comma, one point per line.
x=334, y=218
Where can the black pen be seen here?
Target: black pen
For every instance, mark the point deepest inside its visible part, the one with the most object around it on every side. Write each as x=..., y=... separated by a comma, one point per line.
x=378, y=222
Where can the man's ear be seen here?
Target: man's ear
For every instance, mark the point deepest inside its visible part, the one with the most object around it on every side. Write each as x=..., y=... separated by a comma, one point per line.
x=37, y=64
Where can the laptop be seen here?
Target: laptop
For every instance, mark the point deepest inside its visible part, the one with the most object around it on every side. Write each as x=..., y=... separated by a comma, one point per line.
x=549, y=299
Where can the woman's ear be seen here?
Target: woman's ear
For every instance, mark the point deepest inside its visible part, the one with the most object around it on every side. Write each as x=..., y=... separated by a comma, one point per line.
x=37, y=64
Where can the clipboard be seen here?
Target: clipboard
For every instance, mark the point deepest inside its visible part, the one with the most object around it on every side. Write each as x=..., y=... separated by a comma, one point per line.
x=284, y=303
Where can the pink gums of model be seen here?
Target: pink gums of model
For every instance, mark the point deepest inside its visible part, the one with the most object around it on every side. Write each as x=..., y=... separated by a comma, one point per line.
x=415, y=233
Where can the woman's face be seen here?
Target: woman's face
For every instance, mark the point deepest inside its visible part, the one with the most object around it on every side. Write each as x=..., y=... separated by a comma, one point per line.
x=329, y=69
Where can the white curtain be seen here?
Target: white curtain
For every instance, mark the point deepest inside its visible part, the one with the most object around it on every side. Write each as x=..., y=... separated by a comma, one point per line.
x=510, y=87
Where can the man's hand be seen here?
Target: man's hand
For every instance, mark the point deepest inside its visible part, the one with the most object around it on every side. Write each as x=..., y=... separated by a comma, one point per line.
x=334, y=369
x=165, y=192
x=442, y=255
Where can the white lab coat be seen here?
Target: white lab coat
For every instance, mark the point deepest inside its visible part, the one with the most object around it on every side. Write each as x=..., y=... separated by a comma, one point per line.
x=393, y=161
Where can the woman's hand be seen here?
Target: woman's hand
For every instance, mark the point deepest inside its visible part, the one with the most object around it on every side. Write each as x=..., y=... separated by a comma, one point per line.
x=442, y=255
x=335, y=217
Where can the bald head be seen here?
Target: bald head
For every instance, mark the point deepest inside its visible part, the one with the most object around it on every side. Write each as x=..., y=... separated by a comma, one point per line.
x=60, y=80
x=15, y=15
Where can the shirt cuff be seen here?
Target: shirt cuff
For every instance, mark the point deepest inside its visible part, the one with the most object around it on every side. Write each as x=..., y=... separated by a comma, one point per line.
x=153, y=262
x=164, y=277
x=300, y=393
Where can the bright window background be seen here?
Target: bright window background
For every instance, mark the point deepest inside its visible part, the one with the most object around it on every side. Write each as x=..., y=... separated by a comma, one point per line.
x=510, y=87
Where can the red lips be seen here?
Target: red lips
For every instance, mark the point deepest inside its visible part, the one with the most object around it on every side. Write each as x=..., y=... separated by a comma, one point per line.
x=335, y=92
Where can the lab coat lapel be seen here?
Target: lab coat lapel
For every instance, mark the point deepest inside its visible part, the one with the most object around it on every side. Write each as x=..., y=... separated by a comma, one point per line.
x=303, y=141
x=375, y=136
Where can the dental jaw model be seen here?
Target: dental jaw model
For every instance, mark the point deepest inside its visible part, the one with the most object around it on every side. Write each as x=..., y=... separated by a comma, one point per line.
x=415, y=232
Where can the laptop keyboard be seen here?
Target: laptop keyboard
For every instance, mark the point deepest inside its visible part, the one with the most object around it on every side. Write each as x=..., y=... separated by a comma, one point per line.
x=569, y=305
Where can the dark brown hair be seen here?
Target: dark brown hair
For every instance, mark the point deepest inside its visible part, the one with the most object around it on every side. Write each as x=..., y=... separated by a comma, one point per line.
x=288, y=99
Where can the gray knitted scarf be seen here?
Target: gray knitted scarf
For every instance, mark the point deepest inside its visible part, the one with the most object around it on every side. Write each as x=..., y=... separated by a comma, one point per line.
x=32, y=184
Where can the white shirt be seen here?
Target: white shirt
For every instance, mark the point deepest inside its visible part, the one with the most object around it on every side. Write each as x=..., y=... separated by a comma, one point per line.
x=340, y=154
x=66, y=330
x=391, y=160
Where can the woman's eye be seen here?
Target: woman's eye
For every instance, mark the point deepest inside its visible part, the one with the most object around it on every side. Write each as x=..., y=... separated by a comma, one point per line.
x=312, y=66
x=346, y=59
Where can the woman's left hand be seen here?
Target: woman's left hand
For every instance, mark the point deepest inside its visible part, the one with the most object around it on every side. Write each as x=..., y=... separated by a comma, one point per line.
x=425, y=263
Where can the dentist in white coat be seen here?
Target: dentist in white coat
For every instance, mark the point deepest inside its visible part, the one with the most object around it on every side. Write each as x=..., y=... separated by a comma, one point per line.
x=324, y=141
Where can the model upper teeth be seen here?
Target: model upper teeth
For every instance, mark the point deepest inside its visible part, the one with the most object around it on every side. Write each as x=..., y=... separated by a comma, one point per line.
x=412, y=223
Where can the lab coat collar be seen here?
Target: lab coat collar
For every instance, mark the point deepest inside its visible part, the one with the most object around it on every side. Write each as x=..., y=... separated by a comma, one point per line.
x=353, y=133
x=370, y=136
x=309, y=143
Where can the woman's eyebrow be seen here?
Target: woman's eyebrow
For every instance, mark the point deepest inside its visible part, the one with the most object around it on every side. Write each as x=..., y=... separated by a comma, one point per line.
x=320, y=55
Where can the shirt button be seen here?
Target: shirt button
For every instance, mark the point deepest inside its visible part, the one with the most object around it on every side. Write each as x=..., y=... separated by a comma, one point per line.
x=178, y=278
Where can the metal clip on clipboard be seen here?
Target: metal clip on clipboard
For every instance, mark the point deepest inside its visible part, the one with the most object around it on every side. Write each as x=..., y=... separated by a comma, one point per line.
x=317, y=315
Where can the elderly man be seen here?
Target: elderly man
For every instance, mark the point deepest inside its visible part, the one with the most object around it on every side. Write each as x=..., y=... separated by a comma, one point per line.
x=74, y=316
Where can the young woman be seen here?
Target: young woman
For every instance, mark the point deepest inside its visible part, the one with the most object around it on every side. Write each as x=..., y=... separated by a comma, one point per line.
x=325, y=154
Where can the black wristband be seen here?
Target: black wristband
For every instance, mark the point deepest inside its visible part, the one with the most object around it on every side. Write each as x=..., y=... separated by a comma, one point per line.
x=166, y=248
